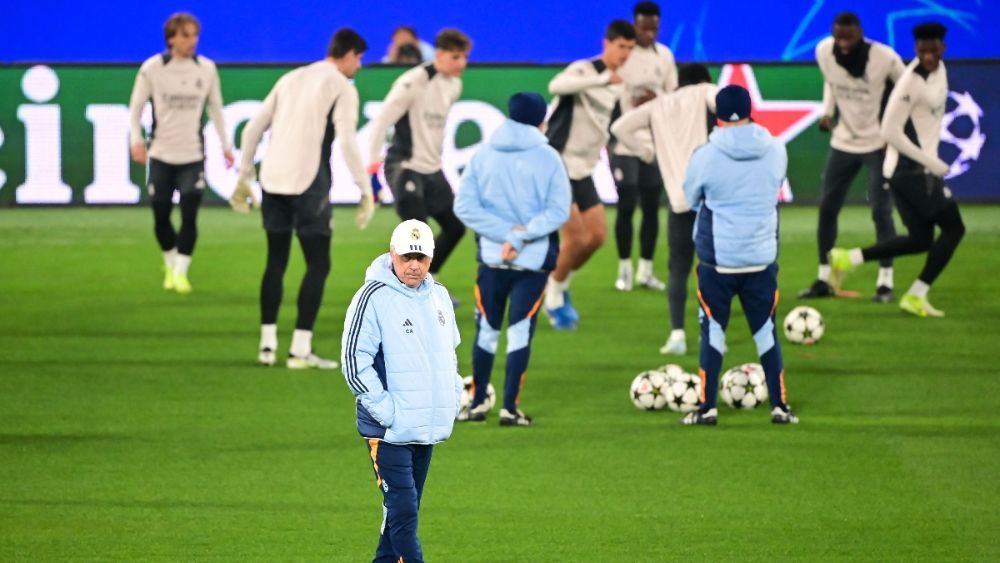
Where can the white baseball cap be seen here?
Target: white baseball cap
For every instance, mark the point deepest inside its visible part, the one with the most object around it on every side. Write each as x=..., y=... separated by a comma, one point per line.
x=412, y=236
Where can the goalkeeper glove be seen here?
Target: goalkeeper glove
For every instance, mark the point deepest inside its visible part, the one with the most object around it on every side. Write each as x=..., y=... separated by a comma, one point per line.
x=366, y=209
x=243, y=197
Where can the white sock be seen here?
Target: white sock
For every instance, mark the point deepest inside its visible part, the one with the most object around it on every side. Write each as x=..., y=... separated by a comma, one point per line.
x=856, y=257
x=301, y=343
x=181, y=263
x=884, y=278
x=269, y=337
x=824, y=273
x=169, y=257
x=645, y=269
x=554, y=293
x=919, y=289
x=625, y=267
x=678, y=333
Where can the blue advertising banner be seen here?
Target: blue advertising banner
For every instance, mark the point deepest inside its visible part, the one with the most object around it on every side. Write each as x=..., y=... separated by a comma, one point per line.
x=264, y=31
x=971, y=131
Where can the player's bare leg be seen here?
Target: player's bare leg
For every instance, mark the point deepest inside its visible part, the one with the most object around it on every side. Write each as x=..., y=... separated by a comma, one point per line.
x=582, y=235
x=573, y=237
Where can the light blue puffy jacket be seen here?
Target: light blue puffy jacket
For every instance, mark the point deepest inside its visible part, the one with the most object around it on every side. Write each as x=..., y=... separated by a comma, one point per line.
x=516, y=179
x=733, y=182
x=398, y=357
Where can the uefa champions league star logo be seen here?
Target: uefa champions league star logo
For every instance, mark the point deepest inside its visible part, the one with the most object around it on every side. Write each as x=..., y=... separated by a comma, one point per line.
x=960, y=128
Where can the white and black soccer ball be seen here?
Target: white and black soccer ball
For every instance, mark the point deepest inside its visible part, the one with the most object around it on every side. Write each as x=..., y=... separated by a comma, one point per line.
x=466, y=400
x=744, y=387
x=648, y=390
x=804, y=325
x=683, y=390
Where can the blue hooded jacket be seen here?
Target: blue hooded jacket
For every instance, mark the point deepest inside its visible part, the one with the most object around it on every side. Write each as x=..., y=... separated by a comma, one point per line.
x=516, y=179
x=398, y=357
x=733, y=183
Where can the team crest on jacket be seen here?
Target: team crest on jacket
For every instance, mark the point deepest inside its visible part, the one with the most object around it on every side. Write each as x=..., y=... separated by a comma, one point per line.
x=440, y=317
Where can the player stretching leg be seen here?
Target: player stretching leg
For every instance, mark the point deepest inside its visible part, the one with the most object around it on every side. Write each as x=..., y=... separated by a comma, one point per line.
x=586, y=92
x=855, y=77
x=418, y=105
x=912, y=127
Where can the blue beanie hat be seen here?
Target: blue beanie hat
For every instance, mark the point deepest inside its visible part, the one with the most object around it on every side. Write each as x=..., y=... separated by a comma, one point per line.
x=527, y=107
x=732, y=103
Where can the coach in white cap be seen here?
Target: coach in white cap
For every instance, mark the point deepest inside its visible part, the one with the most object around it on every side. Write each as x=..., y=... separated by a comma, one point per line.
x=398, y=356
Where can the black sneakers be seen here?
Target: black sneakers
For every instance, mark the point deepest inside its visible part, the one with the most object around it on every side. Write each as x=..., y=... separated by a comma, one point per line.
x=819, y=288
x=779, y=415
x=783, y=415
x=883, y=294
x=518, y=418
x=473, y=414
x=707, y=418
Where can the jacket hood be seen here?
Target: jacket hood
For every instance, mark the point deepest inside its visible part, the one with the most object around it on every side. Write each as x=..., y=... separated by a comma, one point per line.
x=513, y=136
x=745, y=142
x=380, y=270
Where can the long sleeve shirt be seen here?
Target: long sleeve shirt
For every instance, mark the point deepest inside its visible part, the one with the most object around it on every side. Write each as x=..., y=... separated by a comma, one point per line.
x=912, y=122
x=418, y=105
x=305, y=111
x=647, y=70
x=178, y=89
x=857, y=100
x=578, y=127
x=669, y=129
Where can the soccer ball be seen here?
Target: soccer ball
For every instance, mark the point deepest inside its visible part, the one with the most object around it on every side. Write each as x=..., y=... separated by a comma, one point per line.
x=804, y=325
x=466, y=399
x=744, y=387
x=648, y=390
x=683, y=390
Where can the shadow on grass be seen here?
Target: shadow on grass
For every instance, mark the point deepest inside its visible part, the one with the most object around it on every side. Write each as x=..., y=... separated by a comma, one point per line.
x=172, y=504
x=144, y=364
x=146, y=333
x=52, y=439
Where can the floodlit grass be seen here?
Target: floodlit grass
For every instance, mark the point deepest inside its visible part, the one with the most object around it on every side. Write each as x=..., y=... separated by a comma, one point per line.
x=134, y=424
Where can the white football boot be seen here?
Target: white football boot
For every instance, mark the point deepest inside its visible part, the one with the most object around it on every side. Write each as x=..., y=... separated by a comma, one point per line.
x=312, y=361
x=624, y=281
x=676, y=344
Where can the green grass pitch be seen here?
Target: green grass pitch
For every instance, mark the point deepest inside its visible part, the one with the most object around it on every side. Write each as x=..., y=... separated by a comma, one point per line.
x=134, y=424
